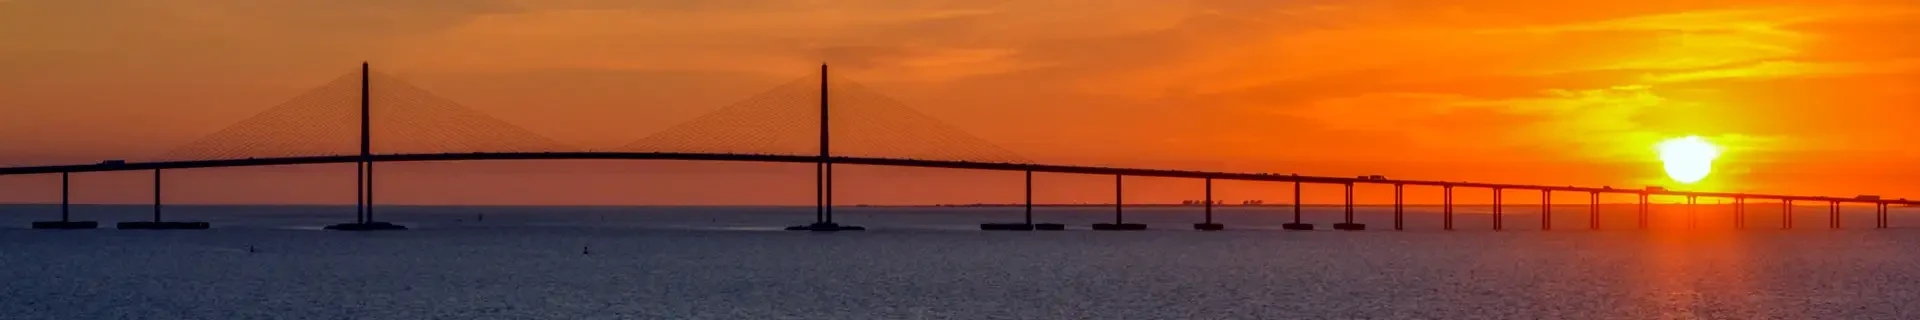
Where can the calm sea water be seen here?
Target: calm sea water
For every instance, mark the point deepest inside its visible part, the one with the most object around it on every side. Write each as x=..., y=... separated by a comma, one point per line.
x=932, y=263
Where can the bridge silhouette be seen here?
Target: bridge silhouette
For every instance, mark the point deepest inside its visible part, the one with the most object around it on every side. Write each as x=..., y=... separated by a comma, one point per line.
x=797, y=122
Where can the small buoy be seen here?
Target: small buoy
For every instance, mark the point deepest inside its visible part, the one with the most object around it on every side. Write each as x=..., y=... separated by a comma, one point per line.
x=583, y=250
x=249, y=248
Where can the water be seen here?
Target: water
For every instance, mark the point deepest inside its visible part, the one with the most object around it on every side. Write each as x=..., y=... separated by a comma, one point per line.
x=930, y=263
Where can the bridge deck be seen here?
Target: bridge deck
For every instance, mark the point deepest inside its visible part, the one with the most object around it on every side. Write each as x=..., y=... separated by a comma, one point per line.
x=252, y=162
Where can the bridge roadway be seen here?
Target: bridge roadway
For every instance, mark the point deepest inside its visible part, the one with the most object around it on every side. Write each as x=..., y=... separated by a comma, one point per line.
x=253, y=162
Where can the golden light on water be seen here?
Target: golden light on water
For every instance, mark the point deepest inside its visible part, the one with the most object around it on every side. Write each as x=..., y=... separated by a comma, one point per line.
x=1687, y=159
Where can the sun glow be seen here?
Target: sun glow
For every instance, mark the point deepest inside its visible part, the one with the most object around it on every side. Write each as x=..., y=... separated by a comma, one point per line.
x=1687, y=159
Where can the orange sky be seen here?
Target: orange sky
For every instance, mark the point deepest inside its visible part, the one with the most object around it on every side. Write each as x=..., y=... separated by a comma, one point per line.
x=1805, y=96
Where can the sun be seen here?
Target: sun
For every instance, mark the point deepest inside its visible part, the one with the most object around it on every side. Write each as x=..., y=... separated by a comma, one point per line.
x=1687, y=159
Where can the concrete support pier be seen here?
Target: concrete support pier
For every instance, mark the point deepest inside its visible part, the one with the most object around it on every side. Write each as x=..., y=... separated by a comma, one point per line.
x=1693, y=216
x=1208, y=224
x=1497, y=220
x=1593, y=211
x=1446, y=207
x=1399, y=207
x=1296, y=225
x=1349, y=225
x=1006, y=226
x=1028, y=224
x=164, y=225
x=65, y=222
x=1546, y=210
x=158, y=223
x=1642, y=207
x=1740, y=213
x=65, y=225
x=1786, y=215
x=823, y=206
x=364, y=221
x=366, y=226
x=1119, y=218
x=1833, y=215
x=1880, y=215
x=824, y=209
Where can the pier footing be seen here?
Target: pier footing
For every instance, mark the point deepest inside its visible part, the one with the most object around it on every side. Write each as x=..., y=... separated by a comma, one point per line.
x=1350, y=226
x=1209, y=226
x=825, y=226
x=1016, y=226
x=1297, y=226
x=163, y=225
x=1119, y=226
x=1006, y=227
x=65, y=225
x=367, y=226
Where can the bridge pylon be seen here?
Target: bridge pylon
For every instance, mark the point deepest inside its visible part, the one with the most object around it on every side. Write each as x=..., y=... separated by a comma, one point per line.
x=363, y=180
x=823, y=172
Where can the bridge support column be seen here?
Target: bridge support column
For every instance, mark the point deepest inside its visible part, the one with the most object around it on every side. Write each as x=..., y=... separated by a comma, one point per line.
x=1740, y=213
x=1296, y=225
x=1833, y=215
x=1209, y=225
x=1399, y=206
x=157, y=223
x=1693, y=220
x=1546, y=210
x=1593, y=211
x=1642, y=206
x=1028, y=224
x=1446, y=207
x=1349, y=225
x=1880, y=215
x=156, y=195
x=1496, y=210
x=823, y=205
x=1119, y=218
x=360, y=192
x=370, y=192
x=819, y=193
x=829, y=197
x=1786, y=214
x=65, y=222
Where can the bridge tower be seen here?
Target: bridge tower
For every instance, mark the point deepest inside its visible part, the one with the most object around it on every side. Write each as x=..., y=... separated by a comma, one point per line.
x=363, y=172
x=823, y=171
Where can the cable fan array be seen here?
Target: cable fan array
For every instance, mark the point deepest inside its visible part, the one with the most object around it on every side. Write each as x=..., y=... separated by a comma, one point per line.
x=325, y=121
x=406, y=119
x=786, y=121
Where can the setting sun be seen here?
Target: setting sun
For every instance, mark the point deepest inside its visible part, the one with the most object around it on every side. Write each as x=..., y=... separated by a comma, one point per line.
x=1687, y=159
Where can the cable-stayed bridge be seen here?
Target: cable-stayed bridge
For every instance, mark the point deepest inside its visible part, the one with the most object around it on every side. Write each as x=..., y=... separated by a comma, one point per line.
x=367, y=118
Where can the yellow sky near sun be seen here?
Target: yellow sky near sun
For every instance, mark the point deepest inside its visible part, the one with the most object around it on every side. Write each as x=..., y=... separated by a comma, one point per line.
x=1803, y=96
